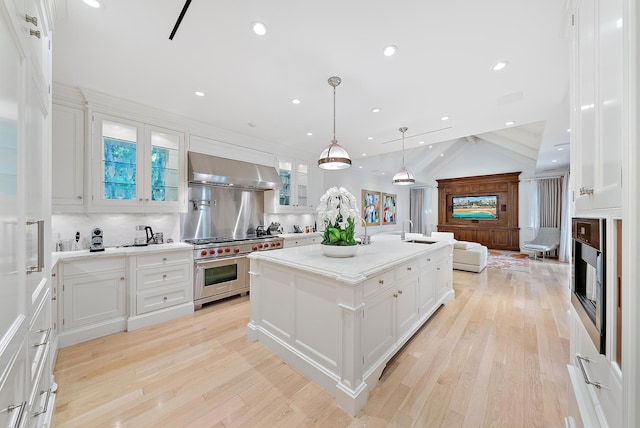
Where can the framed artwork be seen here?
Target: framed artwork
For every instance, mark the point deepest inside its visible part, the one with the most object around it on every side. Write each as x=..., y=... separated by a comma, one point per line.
x=371, y=207
x=388, y=208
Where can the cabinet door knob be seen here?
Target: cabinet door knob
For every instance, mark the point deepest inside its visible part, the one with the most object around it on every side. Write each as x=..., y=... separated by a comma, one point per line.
x=122, y=278
x=395, y=294
x=31, y=19
x=79, y=197
x=409, y=268
x=381, y=282
x=164, y=298
x=164, y=259
x=164, y=276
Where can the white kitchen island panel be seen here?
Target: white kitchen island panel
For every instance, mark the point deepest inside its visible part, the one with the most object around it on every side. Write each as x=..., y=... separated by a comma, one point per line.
x=339, y=321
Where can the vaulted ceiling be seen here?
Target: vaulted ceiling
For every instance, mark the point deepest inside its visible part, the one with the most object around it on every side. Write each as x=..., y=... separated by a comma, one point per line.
x=442, y=68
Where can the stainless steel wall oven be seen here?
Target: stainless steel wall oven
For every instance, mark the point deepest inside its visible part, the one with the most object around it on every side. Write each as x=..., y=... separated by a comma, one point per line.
x=588, y=277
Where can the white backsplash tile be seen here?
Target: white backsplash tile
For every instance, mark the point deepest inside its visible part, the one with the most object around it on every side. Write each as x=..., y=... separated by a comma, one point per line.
x=117, y=229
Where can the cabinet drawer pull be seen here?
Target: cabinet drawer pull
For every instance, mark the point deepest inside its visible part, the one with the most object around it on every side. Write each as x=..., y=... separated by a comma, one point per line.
x=164, y=259
x=46, y=403
x=31, y=19
x=11, y=408
x=395, y=294
x=79, y=197
x=381, y=281
x=428, y=260
x=165, y=298
x=122, y=278
x=588, y=381
x=164, y=276
x=399, y=291
x=409, y=268
x=46, y=338
x=33, y=32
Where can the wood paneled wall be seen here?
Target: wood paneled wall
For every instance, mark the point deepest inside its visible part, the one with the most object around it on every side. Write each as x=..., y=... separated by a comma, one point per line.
x=500, y=234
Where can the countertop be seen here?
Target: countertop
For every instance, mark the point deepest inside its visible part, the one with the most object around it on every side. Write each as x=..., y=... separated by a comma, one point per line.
x=384, y=252
x=115, y=251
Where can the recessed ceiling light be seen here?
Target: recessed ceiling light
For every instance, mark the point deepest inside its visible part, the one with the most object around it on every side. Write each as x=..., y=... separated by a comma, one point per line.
x=568, y=129
x=499, y=65
x=364, y=154
x=383, y=173
x=360, y=167
x=390, y=50
x=369, y=138
x=295, y=101
x=431, y=146
x=560, y=149
x=93, y=3
x=309, y=134
x=198, y=93
x=511, y=122
x=444, y=118
x=259, y=28
x=421, y=142
x=375, y=110
x=251, y=124
x=441, y=154
x=554, y=161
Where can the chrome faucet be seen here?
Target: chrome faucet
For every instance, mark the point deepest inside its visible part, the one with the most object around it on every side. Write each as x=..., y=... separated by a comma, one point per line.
x=402, y=234
x=366, y=239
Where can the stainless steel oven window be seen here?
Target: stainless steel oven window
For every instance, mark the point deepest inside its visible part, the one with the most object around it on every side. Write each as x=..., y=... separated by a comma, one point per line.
x=220, y=274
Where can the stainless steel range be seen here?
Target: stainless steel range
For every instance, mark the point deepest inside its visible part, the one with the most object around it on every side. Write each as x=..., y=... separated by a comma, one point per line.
x=225, y=211
x=221, y=265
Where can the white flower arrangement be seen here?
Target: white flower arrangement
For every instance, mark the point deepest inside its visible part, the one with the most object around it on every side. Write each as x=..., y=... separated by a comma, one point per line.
x=339, y=212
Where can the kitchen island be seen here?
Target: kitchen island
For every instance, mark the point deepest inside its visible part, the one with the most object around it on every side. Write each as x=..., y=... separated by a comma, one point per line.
x=339, y=321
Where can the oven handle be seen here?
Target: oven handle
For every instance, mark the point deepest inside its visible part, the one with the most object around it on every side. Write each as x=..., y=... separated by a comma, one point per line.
x=200, y=263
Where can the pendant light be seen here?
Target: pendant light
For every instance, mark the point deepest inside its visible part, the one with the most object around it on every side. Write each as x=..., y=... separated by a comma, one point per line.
x=334, y=157
x=403, y=177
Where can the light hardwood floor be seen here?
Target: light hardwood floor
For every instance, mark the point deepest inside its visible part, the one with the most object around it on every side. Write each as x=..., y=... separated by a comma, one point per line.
x=495, y=356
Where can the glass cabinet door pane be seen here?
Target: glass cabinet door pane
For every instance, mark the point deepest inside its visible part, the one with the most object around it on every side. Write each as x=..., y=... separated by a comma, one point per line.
x=303, y=178
x=119, y=160
x=285, y=170
x=164, y=166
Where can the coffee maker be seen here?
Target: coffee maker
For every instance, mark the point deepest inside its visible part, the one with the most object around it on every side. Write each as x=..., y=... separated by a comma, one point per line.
x=96, y=240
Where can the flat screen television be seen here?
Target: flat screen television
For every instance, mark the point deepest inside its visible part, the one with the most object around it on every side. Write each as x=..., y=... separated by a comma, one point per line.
x=475, y=207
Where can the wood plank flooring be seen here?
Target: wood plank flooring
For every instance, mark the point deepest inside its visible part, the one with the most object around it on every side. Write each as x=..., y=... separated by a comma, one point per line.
x=494, y=357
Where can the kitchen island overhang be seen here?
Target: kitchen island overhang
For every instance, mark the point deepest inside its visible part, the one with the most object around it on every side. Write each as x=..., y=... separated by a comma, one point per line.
x=339, y=321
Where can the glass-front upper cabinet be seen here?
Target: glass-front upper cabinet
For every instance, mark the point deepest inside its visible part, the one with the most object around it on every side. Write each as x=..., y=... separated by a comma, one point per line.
x=136, y=167
x=295, y=179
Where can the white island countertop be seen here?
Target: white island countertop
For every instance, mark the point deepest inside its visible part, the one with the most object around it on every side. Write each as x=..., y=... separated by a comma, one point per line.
x=384, y=252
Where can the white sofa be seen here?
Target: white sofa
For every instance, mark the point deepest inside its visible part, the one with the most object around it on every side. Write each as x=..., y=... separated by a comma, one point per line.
x=467, y=256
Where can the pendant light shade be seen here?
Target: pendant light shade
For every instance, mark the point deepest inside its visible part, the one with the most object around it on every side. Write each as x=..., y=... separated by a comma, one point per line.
x=334, y=157
x=403, y=177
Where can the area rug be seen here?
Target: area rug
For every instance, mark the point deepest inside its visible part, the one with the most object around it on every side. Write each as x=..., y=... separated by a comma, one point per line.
x=508, y=260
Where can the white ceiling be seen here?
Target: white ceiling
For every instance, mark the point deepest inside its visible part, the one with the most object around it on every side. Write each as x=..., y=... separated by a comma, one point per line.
x=442, y=68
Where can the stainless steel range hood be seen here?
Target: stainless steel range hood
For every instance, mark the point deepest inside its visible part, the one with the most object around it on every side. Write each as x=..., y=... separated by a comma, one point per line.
x=216, y=171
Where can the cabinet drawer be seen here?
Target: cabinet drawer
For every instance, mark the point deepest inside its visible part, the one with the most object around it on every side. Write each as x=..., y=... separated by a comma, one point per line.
x=39, y=337
x=41, y=409
x=83, y=267
x=12, y=393
x=163, y=276
x=407, y=270
x=153, y=300
x=163, y=259
x=377, y=284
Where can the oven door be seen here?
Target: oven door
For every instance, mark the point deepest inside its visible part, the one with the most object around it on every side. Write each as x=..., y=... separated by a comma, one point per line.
x=216, y=279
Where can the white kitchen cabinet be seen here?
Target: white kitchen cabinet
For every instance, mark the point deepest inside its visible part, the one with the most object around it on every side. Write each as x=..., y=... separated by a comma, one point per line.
x=68, y=137
x=162, y=287
x=300, y=190
x=407, y=289
x=301, y=239
x=94, y=298
x=599, y=90
x=25, y=77
x=600, y=406
x=136, y=167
